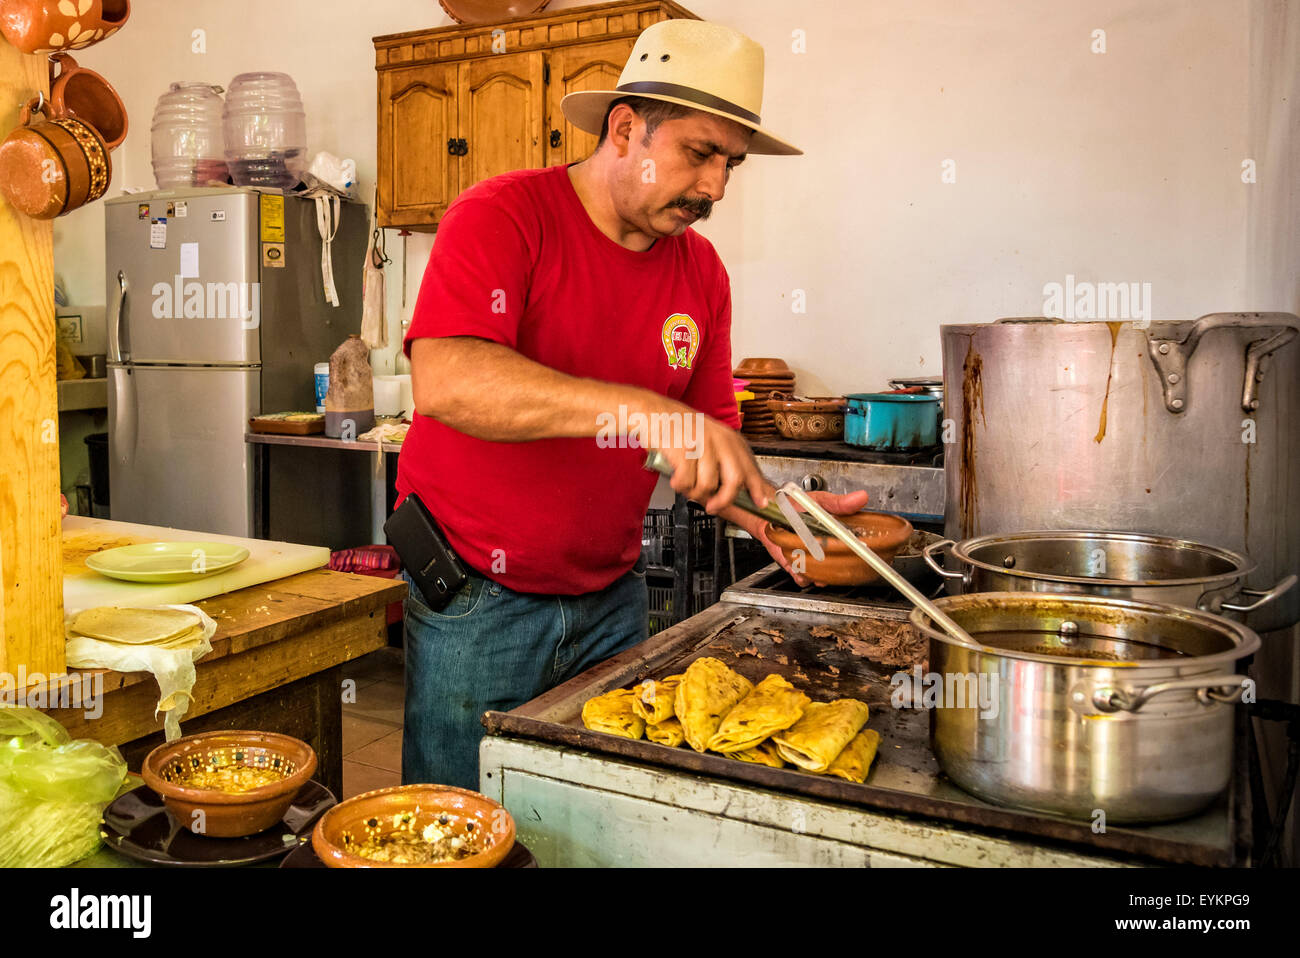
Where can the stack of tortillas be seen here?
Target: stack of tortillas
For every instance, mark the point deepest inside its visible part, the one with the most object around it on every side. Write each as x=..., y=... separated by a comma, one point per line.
x=164, y=640
x=161, y=628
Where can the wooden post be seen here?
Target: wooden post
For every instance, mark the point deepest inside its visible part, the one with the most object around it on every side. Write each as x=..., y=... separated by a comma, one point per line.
x=31, y=570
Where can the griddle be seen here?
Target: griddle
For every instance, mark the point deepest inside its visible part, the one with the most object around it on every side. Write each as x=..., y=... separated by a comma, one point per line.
x=905, y=777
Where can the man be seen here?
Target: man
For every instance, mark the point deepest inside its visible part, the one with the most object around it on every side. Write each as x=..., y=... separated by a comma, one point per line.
x=555, y=302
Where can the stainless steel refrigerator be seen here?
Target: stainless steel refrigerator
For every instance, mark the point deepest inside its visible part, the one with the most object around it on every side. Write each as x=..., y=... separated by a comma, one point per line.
x=216, y=313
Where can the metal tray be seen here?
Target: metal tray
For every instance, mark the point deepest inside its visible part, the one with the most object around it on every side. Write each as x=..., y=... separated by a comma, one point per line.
x=905, y=777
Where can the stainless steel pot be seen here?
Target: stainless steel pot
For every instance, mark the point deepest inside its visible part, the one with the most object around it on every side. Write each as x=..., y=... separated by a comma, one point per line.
x=1124, y=565
x=1095, y=706
x=1185, y=429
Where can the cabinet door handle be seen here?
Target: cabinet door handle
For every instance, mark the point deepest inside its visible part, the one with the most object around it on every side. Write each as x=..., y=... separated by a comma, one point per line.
x=457, y=147
x=555, y=138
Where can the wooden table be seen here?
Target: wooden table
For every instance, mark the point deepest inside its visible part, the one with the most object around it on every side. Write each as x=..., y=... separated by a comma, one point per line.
x=275, y=665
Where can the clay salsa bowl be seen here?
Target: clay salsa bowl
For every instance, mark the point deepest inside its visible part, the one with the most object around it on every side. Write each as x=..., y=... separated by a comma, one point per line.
x=883, y=533
x=229, y=814
x=463, y=810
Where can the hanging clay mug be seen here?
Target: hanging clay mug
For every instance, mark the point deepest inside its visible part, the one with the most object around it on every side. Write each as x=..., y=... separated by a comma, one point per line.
x=52, y=165
x=87, y=96
x=47, y=26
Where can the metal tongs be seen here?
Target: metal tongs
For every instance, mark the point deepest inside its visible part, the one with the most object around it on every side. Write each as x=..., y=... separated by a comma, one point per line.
x=656, y=461
x=817, y=521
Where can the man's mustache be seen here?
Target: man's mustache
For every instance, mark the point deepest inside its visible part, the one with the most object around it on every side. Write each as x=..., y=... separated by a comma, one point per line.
x=701, y=206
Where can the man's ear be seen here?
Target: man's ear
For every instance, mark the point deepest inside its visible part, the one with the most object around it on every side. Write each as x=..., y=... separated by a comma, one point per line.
x=622, y=120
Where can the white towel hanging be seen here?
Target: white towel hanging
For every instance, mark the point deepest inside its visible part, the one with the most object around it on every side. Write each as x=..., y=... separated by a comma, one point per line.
x=328, y=211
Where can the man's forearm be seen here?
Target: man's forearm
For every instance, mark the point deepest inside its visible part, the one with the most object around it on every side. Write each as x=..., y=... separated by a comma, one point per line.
x=490, y=391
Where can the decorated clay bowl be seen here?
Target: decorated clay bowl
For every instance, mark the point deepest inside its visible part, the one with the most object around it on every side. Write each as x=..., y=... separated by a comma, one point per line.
x=171, y=768
x=819, y=418
x=468, y=814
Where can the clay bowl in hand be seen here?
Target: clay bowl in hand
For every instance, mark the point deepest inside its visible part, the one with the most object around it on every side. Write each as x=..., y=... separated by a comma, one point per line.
x=170, y=768
x=882, y=533
x=347, y=825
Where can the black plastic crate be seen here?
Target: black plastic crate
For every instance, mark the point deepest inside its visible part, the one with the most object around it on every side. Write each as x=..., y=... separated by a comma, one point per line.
x=662, y=591
x=659, y=531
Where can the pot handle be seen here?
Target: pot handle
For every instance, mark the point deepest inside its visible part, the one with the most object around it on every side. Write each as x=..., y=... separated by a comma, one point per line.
x=1115, y=699
x=1171, y=344
x=1264, y=597
x=930, y=561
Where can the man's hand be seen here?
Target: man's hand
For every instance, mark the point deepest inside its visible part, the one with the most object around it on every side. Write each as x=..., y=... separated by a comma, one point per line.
x=837, y=505
x=716, y=465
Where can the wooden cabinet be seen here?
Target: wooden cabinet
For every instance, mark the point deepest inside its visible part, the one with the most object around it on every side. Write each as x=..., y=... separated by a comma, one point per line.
x=417, y=176
x=501, y=115
x=588, y=66
x=458, y=105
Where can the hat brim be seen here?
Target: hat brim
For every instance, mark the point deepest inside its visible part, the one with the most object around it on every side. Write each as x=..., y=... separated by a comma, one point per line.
x=585, y=109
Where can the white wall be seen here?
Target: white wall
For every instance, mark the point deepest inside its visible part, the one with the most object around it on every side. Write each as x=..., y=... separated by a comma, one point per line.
x=1115, y=167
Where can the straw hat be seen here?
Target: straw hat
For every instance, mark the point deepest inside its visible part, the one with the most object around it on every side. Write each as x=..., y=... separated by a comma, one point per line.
x=694, y=63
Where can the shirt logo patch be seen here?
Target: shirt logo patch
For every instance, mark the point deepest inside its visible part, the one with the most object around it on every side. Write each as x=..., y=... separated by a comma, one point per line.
x=681, y=340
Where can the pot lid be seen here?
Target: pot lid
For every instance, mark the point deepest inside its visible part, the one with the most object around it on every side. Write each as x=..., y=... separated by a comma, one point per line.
x=891, y=397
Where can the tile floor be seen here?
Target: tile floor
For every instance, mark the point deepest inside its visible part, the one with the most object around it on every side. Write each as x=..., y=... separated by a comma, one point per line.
x=372, y=726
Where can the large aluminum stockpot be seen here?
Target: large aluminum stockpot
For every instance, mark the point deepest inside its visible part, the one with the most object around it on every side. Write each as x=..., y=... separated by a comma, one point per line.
x=1085, y=706
x=1124, y=565
x=1185, y=429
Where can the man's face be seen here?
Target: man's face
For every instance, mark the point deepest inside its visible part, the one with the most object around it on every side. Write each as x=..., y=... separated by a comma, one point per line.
x=673, y=180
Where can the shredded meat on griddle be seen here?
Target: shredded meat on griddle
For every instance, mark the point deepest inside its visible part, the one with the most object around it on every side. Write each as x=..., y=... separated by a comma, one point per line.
x=887, y=643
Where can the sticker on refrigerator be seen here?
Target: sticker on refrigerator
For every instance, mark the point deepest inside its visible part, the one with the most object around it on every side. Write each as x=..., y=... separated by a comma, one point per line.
x=218, y=216
x=158, y=233
x=272, y=218
x=189, y=261
x=142, y=210
x=179, y=210
x=273, y=255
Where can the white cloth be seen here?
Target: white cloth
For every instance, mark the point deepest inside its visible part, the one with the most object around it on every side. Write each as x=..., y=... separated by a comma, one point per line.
x=173, y=668
x=374, y=322
x=328, y=208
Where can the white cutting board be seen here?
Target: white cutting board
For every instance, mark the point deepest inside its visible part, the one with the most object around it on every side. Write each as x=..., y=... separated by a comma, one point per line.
x=84, y=588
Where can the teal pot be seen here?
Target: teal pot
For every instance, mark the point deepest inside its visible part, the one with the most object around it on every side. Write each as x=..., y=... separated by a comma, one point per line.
x=889, y=422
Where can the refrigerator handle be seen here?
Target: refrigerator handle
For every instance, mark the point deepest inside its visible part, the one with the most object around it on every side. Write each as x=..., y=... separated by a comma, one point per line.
x=122, y=430
x=118, y=330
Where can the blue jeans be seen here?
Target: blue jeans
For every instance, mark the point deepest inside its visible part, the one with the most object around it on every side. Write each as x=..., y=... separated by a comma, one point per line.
x=494, y=649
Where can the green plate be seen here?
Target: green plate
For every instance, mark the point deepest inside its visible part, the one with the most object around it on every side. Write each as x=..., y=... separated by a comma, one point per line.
x=167, y=561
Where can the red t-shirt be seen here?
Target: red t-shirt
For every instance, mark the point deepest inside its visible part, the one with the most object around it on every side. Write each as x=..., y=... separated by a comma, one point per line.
x=518, y=261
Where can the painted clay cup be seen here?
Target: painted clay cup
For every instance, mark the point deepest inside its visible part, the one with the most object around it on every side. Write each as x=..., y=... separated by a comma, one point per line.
x=47, y=26
x=87, y=96
x=53, y=165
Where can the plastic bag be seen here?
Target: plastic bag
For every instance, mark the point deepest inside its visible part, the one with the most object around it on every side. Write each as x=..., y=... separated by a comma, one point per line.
x=52, y=790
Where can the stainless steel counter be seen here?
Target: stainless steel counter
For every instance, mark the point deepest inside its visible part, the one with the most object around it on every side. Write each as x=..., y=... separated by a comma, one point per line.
x=916, y=492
